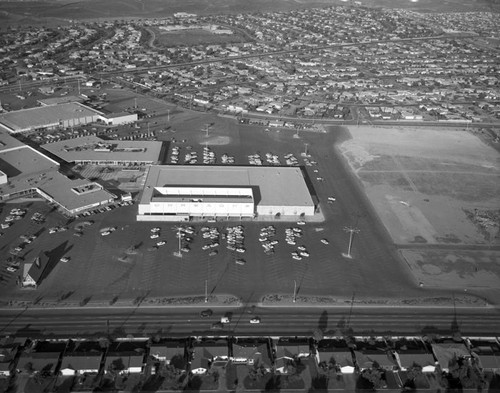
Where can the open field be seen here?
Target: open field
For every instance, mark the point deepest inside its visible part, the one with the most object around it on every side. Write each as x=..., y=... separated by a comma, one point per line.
x=193, y=37
x=455, y=269
x=426, y=185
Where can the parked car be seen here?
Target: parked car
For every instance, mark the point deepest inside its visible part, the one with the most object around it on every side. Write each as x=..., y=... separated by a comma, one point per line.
x=255, y=320
x=206, y=313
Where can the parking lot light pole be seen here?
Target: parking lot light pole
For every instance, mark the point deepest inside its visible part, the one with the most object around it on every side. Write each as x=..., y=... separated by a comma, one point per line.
x=294, y=291
x=178, y=253
x=351, y=231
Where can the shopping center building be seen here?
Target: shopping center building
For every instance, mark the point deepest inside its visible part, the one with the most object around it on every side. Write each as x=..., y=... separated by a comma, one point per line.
x=179, y=193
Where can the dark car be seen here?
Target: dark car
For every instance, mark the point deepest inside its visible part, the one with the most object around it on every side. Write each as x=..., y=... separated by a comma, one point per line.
x=206, y=313
x=218, y=326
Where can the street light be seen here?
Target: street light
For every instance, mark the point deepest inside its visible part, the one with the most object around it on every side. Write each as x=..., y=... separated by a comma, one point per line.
x=178, y=253
x=351, y=231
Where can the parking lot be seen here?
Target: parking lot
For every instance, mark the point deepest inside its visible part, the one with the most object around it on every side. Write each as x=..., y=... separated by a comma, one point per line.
x=248, y=259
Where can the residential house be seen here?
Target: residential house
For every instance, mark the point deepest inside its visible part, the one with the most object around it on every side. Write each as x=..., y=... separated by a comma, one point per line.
x=171, y=352
x=9, y=346
x=207, y=353
x=41, y=357
x=374, y=353
x=488, y=352
x=125, y=357
x=289, y=351
x=412, y=352
x=446, y=351
x=252, y=352
x=82, y=357
x=337, y=353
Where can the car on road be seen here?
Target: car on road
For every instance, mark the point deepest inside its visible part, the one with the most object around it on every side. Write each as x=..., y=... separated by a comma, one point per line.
x=331, y=199
x=325, y=241
x=206, y=313
x=105, y=233
x=161, y=243
x=154, y=236
x=240, y=262
x=255, y=320
x=301, y=222
x=217, y=326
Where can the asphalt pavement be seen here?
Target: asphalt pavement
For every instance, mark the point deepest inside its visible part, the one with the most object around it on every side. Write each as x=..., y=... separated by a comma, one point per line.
x=181, y=322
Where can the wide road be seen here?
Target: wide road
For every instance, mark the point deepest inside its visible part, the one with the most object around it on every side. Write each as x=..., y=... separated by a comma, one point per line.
x=144, y=322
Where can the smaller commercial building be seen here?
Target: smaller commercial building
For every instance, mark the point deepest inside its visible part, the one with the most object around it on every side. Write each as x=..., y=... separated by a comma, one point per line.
x=28, y=172
x=96, y=151
x=70, y=114
x=114, y=119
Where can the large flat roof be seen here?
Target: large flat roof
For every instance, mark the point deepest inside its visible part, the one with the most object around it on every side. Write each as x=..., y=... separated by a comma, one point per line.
x=84, y=149
x=44, y=116
x=60, y=100
x=277, y=186
x=60, y=188
x=24, y=161
x=8, y=142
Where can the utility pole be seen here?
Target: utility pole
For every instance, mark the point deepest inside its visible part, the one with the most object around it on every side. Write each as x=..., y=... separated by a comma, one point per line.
x=350, y=311
x=305, y=151
x=351, y=231
x=294, y=291
x=206, y=291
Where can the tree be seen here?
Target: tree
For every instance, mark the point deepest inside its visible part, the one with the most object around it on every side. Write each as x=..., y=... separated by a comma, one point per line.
x=375, y=377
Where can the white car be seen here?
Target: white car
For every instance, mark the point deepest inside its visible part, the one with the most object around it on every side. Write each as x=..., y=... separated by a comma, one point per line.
x=331, y=199
x=301, y=222
x=325, y=241
x=255, y=320
x=105, y=233
x=65, y=259
x=161, y=243
x=154, y=236
x=12, y=269
x=240, y=250
x=240, y=262
x=155, y=229
x=297, y=257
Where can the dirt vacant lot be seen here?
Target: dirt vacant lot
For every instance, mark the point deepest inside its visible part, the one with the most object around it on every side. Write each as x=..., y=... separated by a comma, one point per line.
x=429, y=186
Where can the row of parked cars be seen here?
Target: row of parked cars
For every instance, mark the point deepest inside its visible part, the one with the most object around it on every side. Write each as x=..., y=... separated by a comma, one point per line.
x=104, y=209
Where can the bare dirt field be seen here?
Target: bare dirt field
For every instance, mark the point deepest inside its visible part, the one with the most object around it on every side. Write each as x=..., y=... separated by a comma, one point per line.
x=437, y=193
x=429, y=186
x=453, y=269
x=193, y=37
